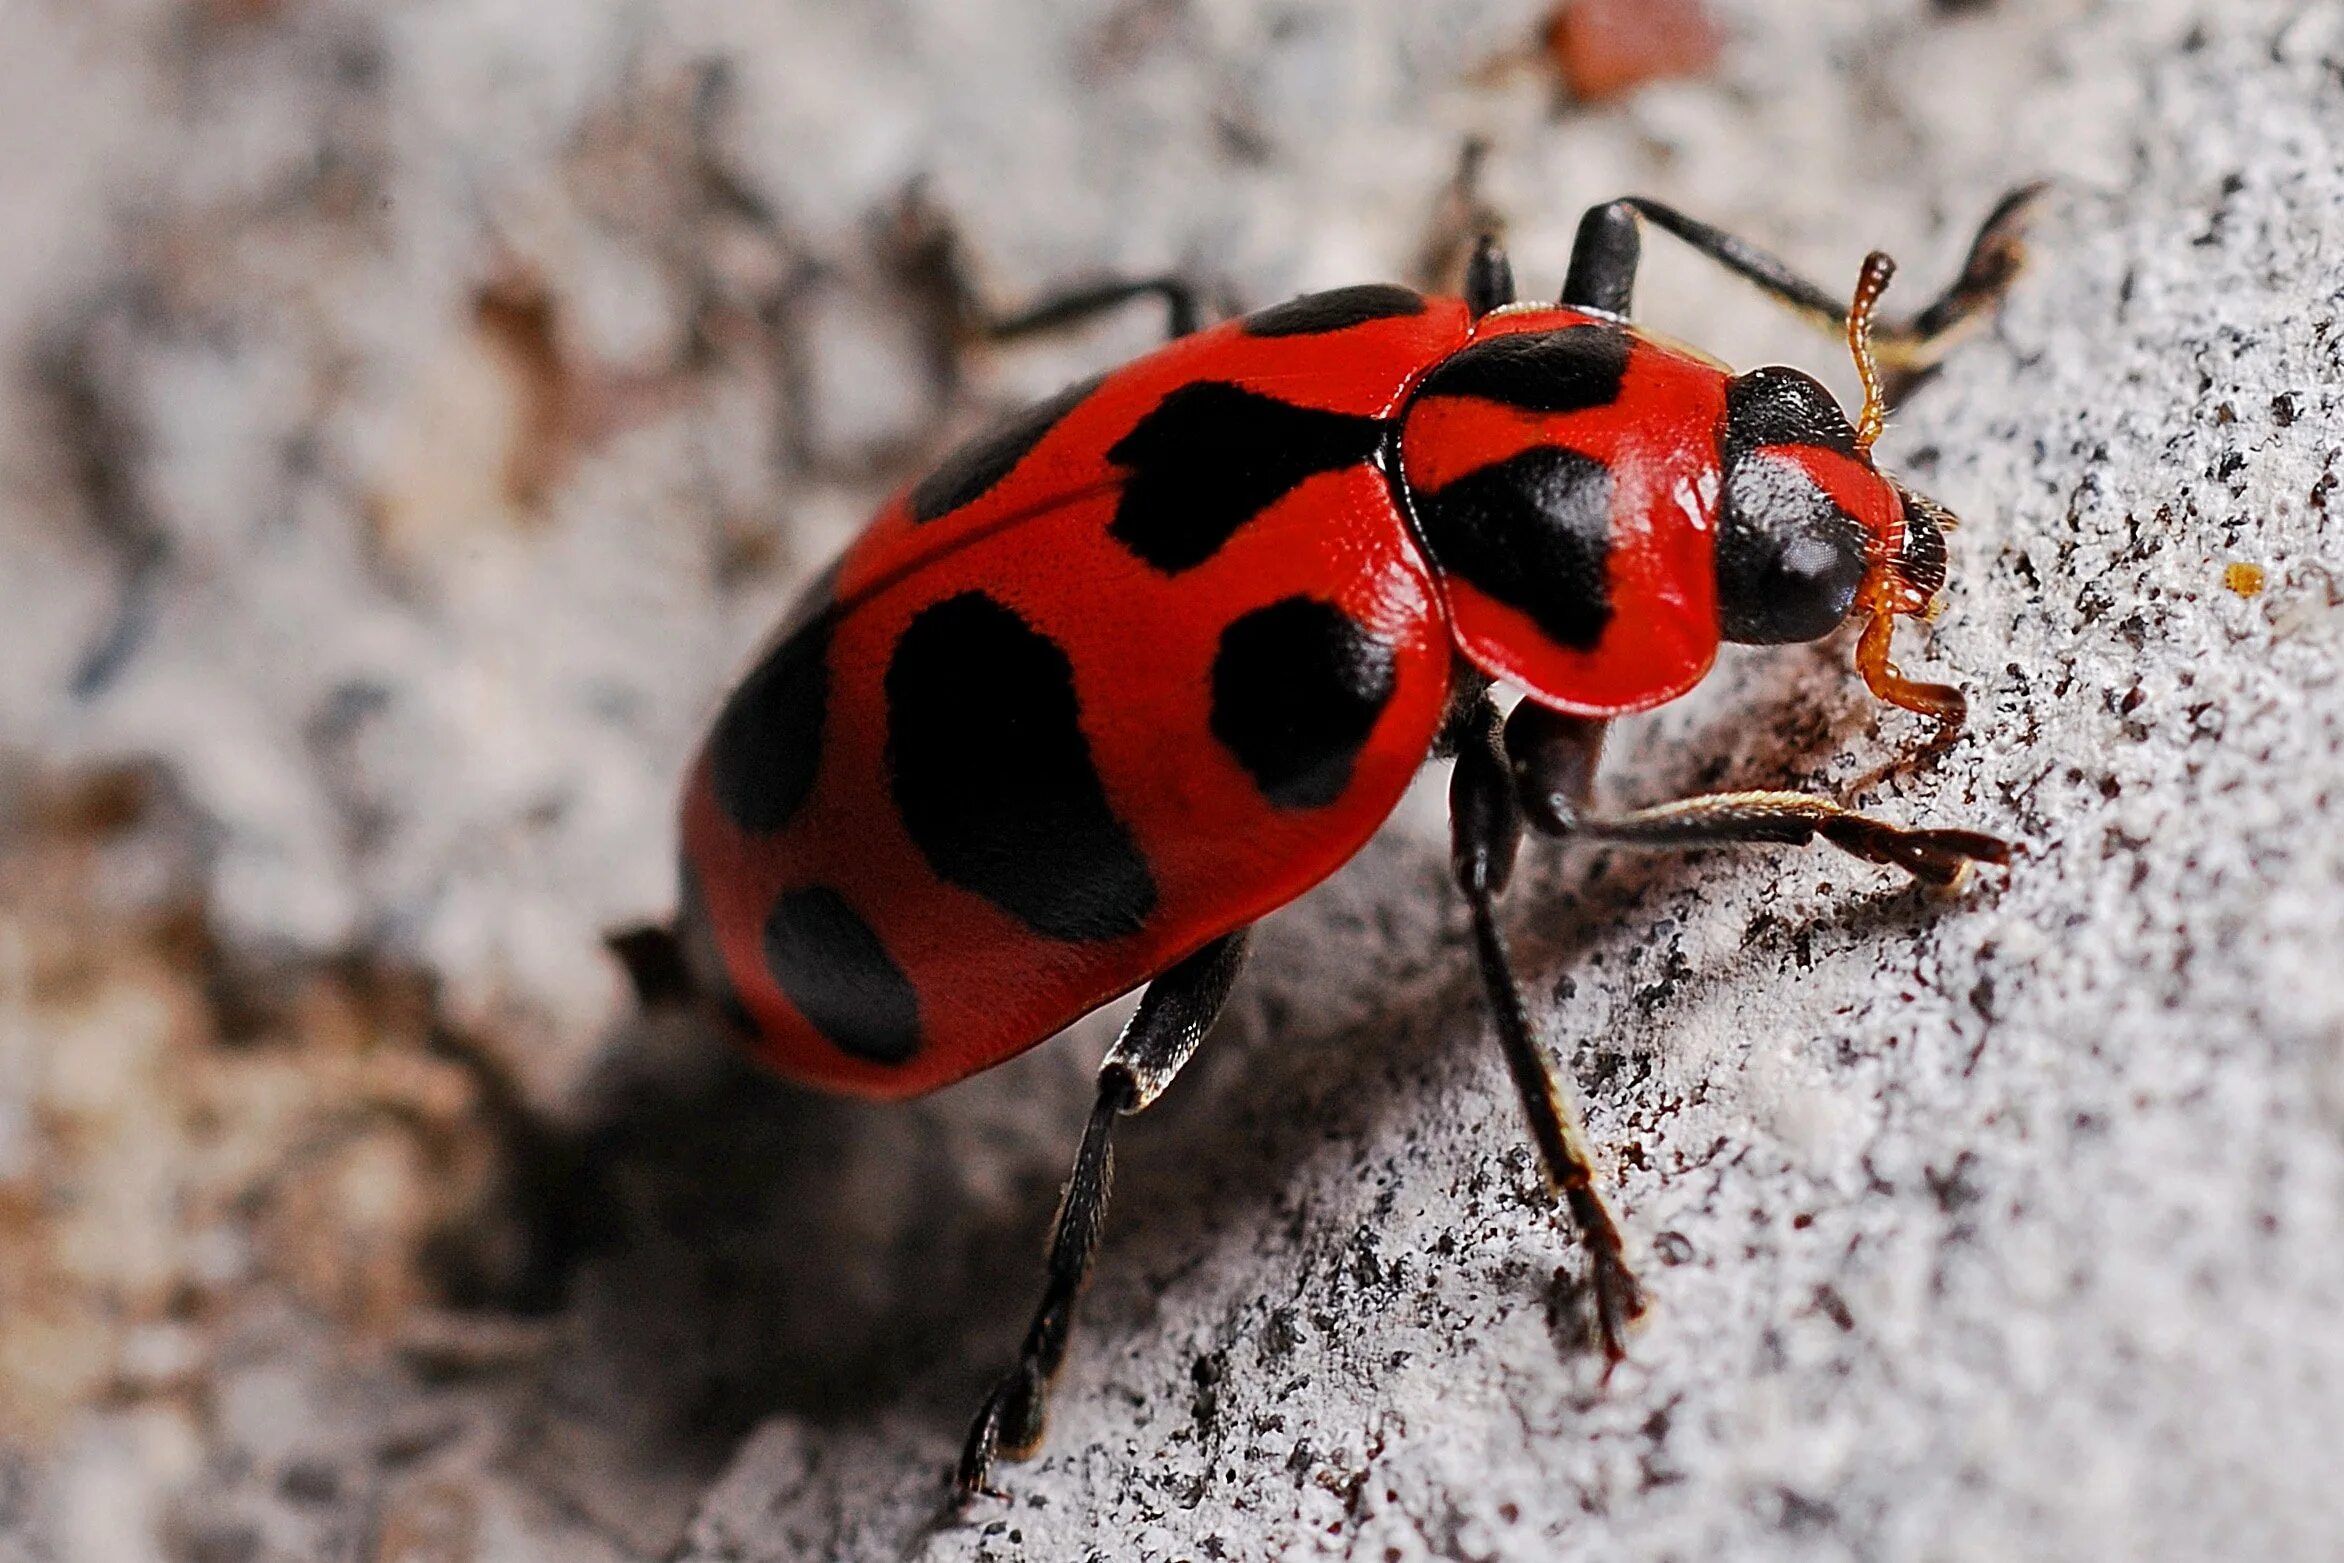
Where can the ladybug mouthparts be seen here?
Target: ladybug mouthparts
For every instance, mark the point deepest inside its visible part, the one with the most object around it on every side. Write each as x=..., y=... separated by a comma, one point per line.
x=1907, y=569
x=1904, y=579
x=1921, y=563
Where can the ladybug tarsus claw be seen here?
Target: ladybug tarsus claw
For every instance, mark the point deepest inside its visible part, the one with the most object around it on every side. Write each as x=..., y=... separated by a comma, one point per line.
x=973, y=1476
x=1619, y=1303
x=1971, y=846
x=1944, y=857
x=968, y=1486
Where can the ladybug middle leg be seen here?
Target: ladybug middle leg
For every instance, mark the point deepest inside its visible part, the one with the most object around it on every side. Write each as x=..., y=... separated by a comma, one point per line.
x=1538, y=767
x=1486, y=831
x=1553, y=759
x=1172, y=1018
x=1604, y=258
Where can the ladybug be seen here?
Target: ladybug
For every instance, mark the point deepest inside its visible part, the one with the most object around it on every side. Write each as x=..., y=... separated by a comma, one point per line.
x=1151, y=658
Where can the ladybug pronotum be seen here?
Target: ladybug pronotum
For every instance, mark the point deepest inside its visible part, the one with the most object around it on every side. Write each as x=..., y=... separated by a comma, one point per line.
x=1153, y=657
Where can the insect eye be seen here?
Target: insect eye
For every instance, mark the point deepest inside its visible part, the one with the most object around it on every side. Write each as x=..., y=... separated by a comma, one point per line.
x=1789, y=560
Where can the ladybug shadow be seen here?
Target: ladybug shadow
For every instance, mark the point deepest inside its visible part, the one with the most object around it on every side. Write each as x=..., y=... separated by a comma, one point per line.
x=757, y=1249
x=741, y=1247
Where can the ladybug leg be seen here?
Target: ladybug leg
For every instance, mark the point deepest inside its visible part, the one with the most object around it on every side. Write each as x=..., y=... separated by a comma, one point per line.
x=1072, y=306
x=1172, y=1018
x=1489, y=277
x=1553, y=759
x=1935, y=857
x=1604, y=258
x=1486, y=830
x=654, y=963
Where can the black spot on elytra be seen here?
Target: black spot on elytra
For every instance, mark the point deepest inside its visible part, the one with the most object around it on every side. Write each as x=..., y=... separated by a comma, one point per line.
x=1534, y=532
x=767, y=745
x=1339, y=309
x=1788, y=559
x=971, y=470
x=993, y=777
x=1211, y=457
x=1297, y=688
x=1569, y=370
x=1779, y=406
x=829, y=963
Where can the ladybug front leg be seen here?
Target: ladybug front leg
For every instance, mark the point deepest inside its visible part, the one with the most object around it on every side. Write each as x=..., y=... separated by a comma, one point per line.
x=1604, y=258
x=1172, y=1018
x=1553, y=758
x=1486, y=829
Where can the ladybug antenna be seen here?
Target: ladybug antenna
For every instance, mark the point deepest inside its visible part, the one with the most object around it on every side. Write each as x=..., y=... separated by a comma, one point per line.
x=1871, y=282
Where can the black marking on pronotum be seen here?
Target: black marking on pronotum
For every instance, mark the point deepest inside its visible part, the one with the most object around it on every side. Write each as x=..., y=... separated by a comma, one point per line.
x=829, y=963
x=972, y=469
x=1297, y=688
x=1314, y=314
x=1211, y=457
x=1534, y=532
x=767, y=745
x=993, y=776
x=1789, y=560
x=1569, y=370
x=1780, y=406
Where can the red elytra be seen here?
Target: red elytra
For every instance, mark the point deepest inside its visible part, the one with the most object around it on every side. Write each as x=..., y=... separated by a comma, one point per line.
x=1141, y=644
x=1155, y=657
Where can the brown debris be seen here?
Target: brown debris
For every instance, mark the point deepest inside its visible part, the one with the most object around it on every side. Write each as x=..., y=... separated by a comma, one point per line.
x=1605, y=49
x=200, y=1136
x=562, y=407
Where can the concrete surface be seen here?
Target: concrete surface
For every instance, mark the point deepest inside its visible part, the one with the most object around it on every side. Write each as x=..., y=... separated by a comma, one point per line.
x=418, y=412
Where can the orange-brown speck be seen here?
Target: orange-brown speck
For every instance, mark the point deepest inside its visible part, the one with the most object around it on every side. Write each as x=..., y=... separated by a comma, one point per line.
x=1608, y=48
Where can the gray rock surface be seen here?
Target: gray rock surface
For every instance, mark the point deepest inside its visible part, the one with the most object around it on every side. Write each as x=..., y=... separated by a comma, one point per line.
x=421, y=411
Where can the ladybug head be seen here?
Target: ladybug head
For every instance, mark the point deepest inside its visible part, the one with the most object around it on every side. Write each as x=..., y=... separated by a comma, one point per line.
x=1809, y=531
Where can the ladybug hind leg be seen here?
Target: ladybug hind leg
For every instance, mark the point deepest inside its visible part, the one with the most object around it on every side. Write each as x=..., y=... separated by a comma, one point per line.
x=1183, y=312
x=1486, y=831
x=653, y=959
x=1174, y=1014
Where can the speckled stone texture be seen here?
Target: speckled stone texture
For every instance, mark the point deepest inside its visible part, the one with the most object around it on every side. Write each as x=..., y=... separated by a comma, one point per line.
x=420, y=411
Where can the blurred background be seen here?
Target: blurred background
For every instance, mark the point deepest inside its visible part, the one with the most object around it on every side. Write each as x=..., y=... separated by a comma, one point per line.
x=417, y=411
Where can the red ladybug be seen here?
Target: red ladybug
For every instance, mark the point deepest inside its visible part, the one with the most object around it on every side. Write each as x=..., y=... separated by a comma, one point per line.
x=1155, y=656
